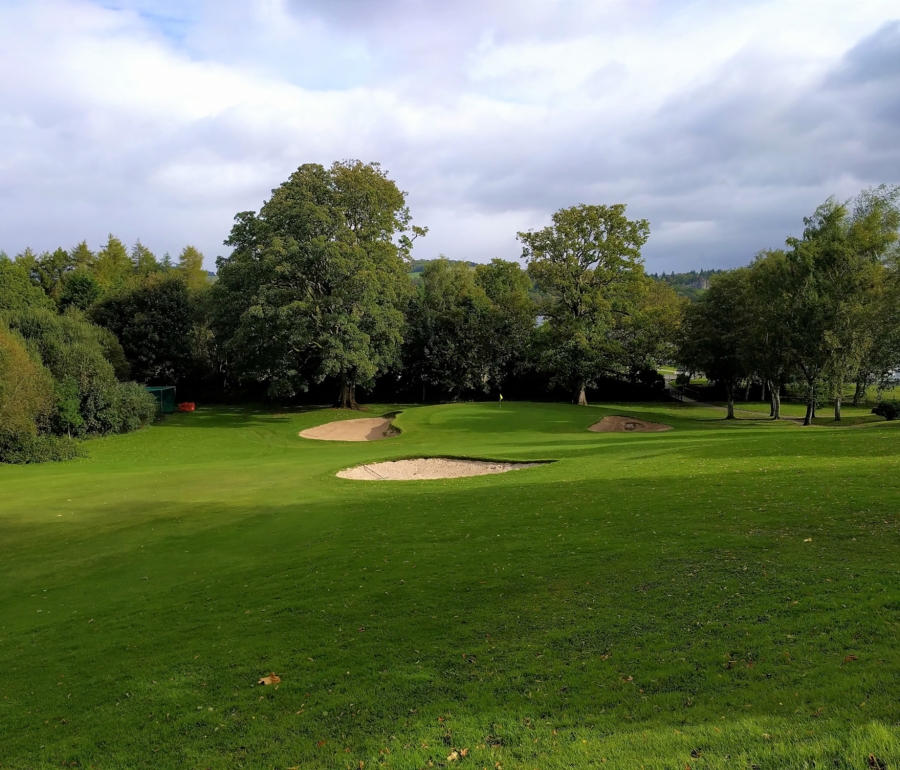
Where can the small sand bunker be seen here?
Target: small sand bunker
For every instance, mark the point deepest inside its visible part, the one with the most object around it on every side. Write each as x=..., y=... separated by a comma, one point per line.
x=428, y=468
x=365, y=429
x=617, y=424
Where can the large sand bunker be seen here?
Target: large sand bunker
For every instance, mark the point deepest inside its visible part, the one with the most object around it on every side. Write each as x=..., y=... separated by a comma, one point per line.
x=365, y=429
x=428, y=468
x=617, y=424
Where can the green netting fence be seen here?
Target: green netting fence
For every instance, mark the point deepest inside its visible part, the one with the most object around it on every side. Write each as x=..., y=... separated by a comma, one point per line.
x=165, y=398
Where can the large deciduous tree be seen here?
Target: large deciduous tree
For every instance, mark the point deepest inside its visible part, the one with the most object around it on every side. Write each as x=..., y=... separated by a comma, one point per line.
x=316, y=283
x=588, y=266
x=715, y=332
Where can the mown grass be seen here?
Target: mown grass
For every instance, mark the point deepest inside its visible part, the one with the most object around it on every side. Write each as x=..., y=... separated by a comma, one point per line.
x=720, y=595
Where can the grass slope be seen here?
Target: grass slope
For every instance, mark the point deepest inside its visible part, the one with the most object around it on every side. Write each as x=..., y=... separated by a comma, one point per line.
x=680, y=599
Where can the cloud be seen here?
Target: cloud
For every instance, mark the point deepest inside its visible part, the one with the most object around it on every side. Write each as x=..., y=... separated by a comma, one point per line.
x=723, y=124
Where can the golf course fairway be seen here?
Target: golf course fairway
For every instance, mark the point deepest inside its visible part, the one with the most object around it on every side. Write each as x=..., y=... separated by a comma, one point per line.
x=722, y=594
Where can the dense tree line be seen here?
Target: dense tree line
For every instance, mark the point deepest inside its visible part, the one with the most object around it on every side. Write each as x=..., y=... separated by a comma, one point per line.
x=317, y=289
x=77, y=328
x=823, y=313
x=320, y=291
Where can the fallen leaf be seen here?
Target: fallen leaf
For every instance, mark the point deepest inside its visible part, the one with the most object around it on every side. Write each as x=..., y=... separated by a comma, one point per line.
x=464, y=752
x=272, y=678
x=808, y=540
x=454, y=755
x=321, y=743
x=850, y=659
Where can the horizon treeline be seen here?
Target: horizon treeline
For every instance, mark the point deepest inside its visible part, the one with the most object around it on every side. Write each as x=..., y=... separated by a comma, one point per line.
x=319, y=299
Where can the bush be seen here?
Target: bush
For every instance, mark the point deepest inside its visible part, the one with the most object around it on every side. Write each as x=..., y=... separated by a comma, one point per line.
x=132, y=407
x=26, y=388
x=890, y=410
x=21, y=448
x=683, y=379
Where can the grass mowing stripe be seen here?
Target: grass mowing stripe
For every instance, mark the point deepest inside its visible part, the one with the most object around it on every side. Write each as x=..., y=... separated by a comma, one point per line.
x=712, y=596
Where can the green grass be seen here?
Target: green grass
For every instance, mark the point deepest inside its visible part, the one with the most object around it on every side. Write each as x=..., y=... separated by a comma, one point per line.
x=655, y=600
x=850, y=415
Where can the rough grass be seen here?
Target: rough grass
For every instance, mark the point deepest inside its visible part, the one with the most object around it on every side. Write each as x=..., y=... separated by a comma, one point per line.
x=720, y=595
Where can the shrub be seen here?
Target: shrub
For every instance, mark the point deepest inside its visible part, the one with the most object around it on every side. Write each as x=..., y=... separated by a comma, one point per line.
x=21, y=448
x=890, y=410
x=26, y=388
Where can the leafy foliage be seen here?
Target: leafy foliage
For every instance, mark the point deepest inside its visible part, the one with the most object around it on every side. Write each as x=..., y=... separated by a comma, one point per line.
x=588, y=263
x=316, y=284
x=154, y=322
x=890, y=410
x=17, y=292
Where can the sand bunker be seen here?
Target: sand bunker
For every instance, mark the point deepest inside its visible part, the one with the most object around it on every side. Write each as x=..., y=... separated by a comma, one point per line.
x=617, y=424
x=428, y=468
x=365, y=429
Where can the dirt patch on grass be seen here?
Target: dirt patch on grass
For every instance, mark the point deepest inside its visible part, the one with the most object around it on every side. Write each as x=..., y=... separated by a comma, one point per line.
x=429, y=468
x=365, y=429
x=618, y=424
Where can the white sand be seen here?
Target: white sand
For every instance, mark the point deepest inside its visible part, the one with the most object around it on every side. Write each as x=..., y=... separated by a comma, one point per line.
x=617, y=424
x=365, y=429
x=428, y=468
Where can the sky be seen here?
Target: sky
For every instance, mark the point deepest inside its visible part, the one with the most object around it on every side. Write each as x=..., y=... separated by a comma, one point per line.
x=721, y=122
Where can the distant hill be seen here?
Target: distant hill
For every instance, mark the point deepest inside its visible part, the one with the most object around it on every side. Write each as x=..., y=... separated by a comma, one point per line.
x=690, y=285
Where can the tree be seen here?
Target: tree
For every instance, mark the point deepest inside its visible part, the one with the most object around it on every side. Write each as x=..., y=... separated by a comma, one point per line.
x=588, y=262
x=767, y=342
x=17, y=291
x=74, y=350
x=833, y=271
x=113, y=267
x=316, y=282
x=450, y=334
x=715, y=332
x=82, y=257
x=511, y=320
x=26, y=390
x=154, y=322
x=142, y=259
x=190, y=266
x=80, y=290
x=50, y=269
x=649, y=335
x=27, y=260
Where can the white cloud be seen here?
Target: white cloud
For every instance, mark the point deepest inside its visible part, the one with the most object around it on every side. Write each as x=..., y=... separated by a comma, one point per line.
x=723, y=123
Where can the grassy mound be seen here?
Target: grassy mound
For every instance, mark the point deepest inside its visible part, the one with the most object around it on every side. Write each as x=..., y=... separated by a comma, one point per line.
x=720, y=595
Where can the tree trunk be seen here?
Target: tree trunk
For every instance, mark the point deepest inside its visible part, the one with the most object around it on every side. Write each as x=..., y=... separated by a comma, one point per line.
x=776, y=402
x=730, y=392
x=810, y=403
x=837, y=407
x=582, y=398
x=747, y=390
x=348, y=396
x=423, y=392
x=860, y=390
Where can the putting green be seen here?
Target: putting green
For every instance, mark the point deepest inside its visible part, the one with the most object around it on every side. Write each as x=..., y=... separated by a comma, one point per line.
x=718, y=595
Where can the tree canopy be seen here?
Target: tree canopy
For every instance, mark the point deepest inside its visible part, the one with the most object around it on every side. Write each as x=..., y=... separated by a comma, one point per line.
x=316, y=283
